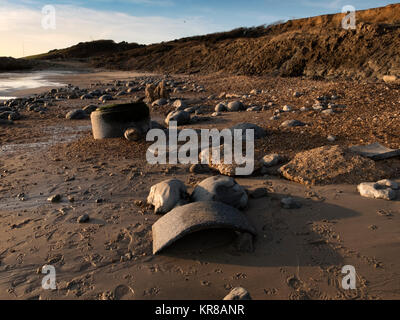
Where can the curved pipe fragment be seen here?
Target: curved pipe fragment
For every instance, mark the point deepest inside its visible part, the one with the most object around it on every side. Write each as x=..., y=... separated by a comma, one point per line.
x=195, y=217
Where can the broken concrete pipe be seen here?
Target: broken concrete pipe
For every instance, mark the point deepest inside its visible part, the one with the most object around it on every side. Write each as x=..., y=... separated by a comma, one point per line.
x=194, y=217
x=113, y=120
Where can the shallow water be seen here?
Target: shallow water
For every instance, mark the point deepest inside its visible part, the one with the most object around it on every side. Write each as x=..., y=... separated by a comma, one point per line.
x=12, y=82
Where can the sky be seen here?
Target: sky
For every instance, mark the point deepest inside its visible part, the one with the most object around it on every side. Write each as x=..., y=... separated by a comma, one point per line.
x=30, y=27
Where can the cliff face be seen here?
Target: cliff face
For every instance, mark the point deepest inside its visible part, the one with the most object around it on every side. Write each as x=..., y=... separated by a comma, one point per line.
x=313, y=47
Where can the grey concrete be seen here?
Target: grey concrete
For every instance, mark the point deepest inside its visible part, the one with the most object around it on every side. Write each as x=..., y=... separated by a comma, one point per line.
x=196, y=217
x=113, y=122
x=375, y=151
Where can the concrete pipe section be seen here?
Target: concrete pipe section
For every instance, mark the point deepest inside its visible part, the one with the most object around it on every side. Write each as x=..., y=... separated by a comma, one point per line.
x=195, y=217
x=112, y=121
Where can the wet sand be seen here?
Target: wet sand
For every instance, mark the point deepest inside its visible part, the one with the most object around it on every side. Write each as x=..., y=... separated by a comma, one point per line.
x=298, y=253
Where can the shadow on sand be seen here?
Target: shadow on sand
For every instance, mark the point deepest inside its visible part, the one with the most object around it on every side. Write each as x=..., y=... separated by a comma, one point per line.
x=297, y=237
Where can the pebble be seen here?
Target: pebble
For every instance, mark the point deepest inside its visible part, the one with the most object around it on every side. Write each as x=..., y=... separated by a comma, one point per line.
x=292, y=123
x=287, y=108
x=328, y=112
x=179, y=105
x=83, y=218
x=54, y=198
x=331, y=138
x=271, y=160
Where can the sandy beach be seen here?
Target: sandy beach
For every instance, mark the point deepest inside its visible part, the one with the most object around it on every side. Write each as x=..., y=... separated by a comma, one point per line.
x=298, y=254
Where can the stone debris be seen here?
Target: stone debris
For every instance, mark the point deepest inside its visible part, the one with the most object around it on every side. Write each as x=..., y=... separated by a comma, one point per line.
x=90, y=108
x=54, y=198
x=379, y=190
x=258, y=131
x=179, y=105
x=166, y=195
x=375, y=151
x=388, y=183
x=271, y=160
x=83, y=218
x=223, y=189
x=160, y=102
x=77, y=114
x=331, y=138
x=292, y=124
x=220, y=107
x=330, y=164
x=235, y=106
x=238, y=294
x=287, y=108
x=181, y=117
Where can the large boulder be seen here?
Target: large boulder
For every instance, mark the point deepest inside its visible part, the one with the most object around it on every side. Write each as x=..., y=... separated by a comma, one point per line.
x=166, y=195
x=235, y=106
x=181, y=117
x=223, y=189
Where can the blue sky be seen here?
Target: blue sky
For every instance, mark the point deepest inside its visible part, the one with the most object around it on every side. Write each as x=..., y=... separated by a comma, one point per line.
x=146, y=21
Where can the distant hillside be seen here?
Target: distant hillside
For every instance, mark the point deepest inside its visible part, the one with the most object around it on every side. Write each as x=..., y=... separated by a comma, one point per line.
x=11, y=64
x=87, y=50
x=313, y=47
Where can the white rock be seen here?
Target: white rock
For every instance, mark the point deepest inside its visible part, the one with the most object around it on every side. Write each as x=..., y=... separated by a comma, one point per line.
x=166, y=195
x=375, y=191
x=287, y=108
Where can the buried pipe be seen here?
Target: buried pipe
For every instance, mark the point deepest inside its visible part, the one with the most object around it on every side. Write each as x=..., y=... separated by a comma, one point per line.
x=194, y=217
x=113, y=120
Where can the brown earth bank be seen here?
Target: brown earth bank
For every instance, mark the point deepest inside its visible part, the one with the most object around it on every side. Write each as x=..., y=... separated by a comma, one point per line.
x=298, y=254
x=312, y=47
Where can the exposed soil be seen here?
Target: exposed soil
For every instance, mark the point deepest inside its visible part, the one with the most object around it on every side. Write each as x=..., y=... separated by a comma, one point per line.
x=313, y=47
